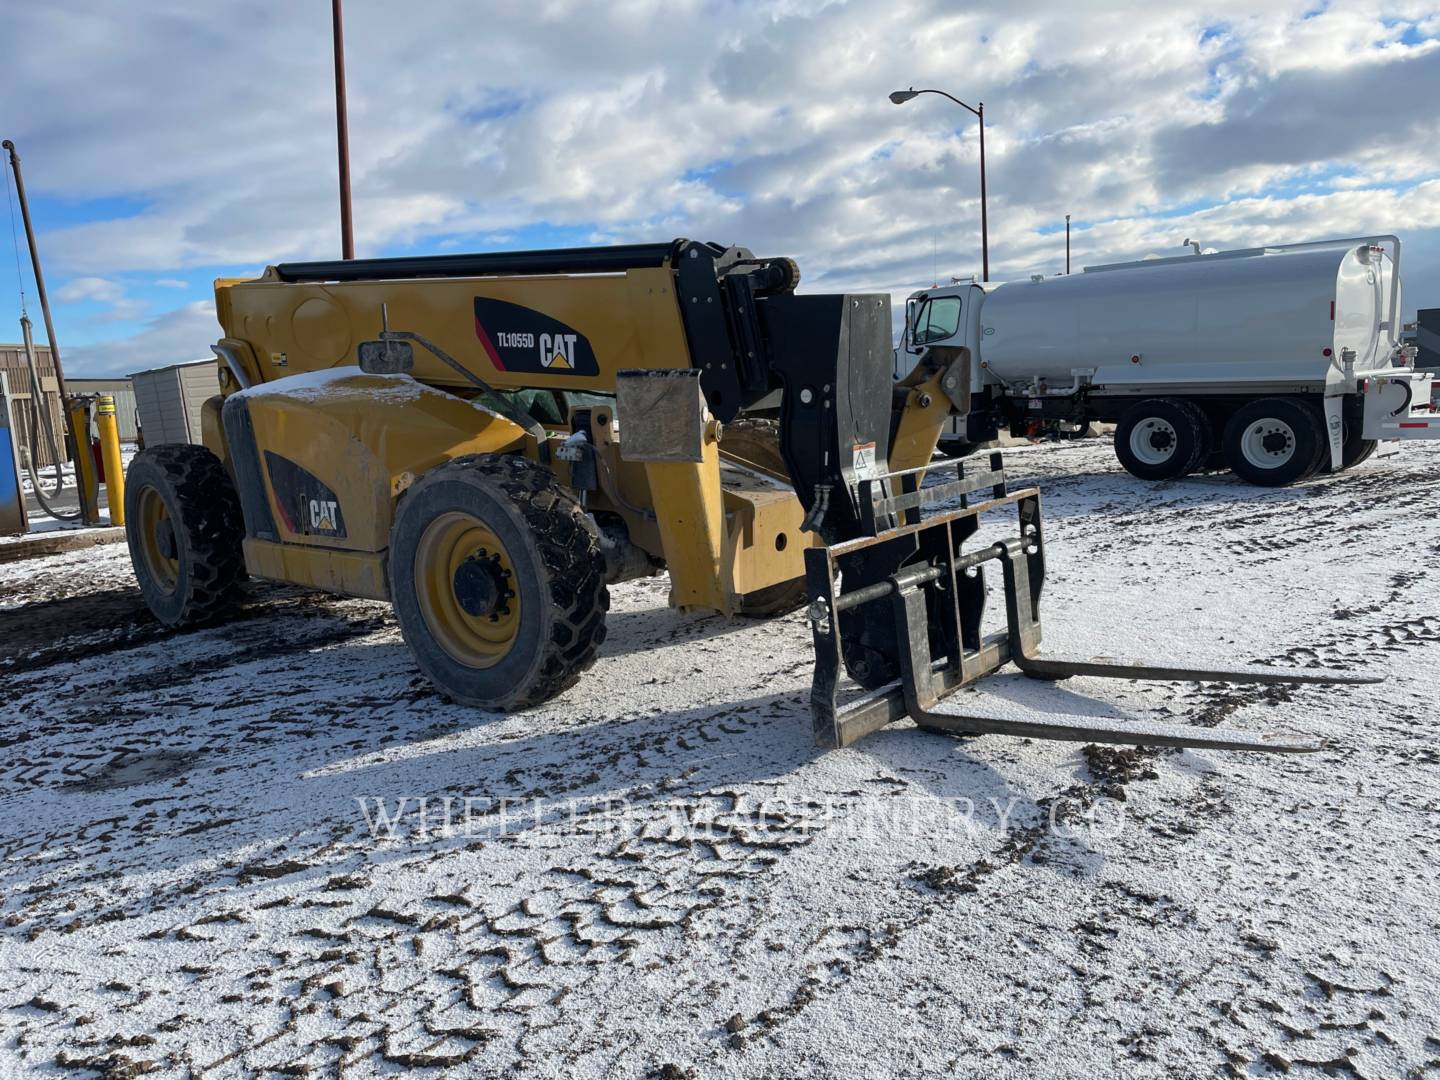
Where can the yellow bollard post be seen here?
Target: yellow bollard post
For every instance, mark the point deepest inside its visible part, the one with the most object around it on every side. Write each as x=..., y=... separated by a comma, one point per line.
x=109, y=430
x=85, y=479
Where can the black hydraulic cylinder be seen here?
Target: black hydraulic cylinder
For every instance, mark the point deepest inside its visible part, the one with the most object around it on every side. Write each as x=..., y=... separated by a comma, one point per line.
x=593, y=260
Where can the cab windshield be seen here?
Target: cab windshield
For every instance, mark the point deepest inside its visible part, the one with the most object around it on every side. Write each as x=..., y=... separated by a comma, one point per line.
x=937, y=320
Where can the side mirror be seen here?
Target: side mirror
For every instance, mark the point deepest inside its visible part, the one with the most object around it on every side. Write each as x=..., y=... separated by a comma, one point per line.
x=386, y=357
x=912, y=324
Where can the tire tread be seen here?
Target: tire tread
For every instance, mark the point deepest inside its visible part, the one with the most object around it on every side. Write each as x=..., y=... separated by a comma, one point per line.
x=211, y=520
x=573, y=570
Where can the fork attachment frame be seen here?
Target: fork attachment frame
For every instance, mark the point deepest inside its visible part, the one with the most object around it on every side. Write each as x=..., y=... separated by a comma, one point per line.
x=937, y=600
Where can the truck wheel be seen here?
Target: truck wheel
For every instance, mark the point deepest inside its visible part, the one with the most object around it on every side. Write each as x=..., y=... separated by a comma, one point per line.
x=184, y=528
x=1273, y=442
x=498, y=581
x=1214, y=461
x=1162, y=439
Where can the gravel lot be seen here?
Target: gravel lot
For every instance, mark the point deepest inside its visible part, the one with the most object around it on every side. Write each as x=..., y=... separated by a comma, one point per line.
x=215, y=861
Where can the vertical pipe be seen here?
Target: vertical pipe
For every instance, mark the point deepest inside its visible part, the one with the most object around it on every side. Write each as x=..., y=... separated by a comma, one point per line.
x=109, y=430
x=984, y=219
x=342, y=128
x=1067, y=243
x=78, y=414
x=35, y=264
x=88, y=509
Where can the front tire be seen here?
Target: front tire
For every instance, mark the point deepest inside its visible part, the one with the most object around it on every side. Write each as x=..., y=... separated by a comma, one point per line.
x=1274, y=442
x=1162, y=439
x=184, y=529
x=498, y=581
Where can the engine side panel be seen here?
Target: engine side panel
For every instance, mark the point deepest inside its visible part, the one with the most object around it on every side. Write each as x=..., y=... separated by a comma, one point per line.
x=320, y=459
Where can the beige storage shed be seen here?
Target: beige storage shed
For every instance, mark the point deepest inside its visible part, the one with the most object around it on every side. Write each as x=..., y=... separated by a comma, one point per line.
x=169, y=400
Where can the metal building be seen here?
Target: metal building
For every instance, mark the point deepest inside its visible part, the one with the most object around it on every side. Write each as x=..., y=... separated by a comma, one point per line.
x=123, y=391
x=17, y=375
x=169, y=400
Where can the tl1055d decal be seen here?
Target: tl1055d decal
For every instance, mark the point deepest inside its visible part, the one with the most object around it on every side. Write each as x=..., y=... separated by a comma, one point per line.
x=521, y=339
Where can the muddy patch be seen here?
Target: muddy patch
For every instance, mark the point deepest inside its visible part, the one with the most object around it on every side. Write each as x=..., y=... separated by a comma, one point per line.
x=131, y=770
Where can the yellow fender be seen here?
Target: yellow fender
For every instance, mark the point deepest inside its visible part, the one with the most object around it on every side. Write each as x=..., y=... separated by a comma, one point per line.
x=320, y=458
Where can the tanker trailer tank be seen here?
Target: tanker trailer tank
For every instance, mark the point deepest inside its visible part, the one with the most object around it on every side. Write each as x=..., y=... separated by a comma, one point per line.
x=1263, y=360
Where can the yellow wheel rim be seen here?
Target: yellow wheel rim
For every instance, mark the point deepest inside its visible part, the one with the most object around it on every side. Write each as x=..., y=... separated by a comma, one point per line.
x=158, y=543
x=468, y=591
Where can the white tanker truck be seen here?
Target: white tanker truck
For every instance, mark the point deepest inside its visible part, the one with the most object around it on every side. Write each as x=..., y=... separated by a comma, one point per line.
x=1276, y=361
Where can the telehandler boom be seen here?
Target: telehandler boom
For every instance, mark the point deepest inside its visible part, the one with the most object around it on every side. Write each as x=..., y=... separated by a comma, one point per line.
x=487, y=441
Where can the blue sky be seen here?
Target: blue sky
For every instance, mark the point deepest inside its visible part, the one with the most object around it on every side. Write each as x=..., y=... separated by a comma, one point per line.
x=181, y=142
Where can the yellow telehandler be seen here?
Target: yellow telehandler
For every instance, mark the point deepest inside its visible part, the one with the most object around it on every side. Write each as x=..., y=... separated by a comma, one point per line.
x=489, y=440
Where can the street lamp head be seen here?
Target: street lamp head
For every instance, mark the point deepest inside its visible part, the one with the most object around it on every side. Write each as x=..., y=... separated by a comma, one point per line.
x=899, y=97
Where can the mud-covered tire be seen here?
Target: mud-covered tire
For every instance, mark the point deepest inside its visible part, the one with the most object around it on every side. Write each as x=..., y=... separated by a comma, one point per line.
x=184, y=530
x=1359, y=452
x=1162, y=439
x=1274, y=442
x=1214, y=462
x=754, y=440
x=757, y=442
x=558, y=575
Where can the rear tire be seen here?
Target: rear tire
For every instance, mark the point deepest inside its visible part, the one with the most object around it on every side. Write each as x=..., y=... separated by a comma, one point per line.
x=1274, y=442
x=184, y=530
x=1162, y=439
x=498, y=581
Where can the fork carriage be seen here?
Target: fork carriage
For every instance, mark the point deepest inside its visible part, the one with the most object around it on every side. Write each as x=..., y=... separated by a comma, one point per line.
x=936, y=601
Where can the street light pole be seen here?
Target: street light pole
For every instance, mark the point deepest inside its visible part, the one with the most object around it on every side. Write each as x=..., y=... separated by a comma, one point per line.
x=900, y=97
x=342, y=131
x=984, y=202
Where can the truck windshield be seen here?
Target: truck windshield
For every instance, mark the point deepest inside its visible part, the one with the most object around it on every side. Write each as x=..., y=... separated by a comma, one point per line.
x=938, y=319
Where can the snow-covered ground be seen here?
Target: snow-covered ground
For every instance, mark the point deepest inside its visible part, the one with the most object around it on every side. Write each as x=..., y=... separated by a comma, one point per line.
x=660, y=875
x=63, y=499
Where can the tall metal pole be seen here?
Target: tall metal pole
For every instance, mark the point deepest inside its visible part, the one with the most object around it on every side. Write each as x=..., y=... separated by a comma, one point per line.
x=342, y=126
x=984, y=216
x=1067, y=243
x=79, y=439
x=39, y=275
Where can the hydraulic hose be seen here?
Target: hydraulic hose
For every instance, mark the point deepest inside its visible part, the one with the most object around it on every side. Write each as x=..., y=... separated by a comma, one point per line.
x=37, y=415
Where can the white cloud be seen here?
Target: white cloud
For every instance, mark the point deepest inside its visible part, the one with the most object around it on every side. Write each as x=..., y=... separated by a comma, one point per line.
x=172, y=338
x=766, y=125
x=81, y=289
x=171, y=283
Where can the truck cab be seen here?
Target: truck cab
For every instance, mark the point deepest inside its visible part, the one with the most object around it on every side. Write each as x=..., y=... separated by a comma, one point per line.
x=946, y=316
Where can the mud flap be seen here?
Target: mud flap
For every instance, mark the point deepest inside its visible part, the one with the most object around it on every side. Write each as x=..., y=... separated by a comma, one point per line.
x=1335, y=429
